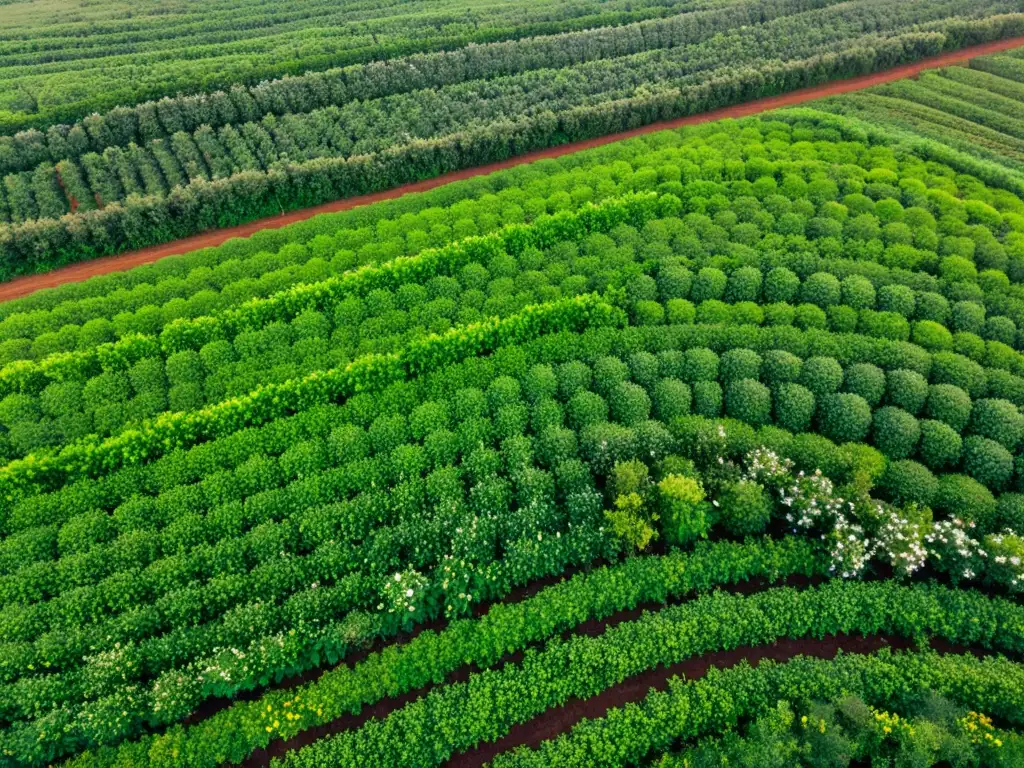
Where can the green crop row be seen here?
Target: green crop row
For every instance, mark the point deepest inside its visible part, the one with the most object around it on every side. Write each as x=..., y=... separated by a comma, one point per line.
x=724, y=698
x=459, y=716
x=186, y=183
x=232, y=735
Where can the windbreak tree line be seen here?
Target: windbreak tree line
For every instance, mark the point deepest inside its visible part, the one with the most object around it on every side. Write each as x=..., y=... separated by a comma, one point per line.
x=137, y=175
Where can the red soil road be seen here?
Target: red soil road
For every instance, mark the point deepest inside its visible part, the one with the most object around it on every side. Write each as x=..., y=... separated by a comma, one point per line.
x=22, y=286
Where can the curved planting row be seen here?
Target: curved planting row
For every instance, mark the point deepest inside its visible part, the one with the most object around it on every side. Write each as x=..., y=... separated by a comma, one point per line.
x=107, y=388
x=134, y=178
x=786, y=331
x=456, y=717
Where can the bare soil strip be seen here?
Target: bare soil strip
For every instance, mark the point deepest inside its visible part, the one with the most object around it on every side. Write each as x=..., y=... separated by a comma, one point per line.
x=22, y=286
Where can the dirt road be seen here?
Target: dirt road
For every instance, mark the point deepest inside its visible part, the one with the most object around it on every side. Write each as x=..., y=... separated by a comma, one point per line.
x=22, y=286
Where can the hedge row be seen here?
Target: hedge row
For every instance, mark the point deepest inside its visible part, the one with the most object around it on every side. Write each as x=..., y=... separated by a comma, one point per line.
x=174, y=430
x=459, y=716
x=202, y=204
x=724, y=698
x=232, y=735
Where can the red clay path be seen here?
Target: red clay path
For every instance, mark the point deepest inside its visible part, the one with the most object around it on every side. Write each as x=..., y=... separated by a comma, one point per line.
x=22, y=286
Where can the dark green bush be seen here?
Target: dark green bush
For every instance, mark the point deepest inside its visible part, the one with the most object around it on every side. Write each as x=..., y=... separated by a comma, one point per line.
x=895, y=432
x=672, y=398
x=738, y=364
x=700, y=365
x=744, y=508
x=897, y=298
x=709, y=284
x=907, y=482
x=865, y=380
x=858, y=292
x=780, y=285
x=821, y=289
x=744, y=284
x=748, y=400
x=965, y=498
x=821, y=375
x=940, y=446
x=949, y=404
x=629, y=403
x=844, y=417
x=987, y=462
x=707, y=398
x=794, y=407
x=779, y=366
x=999, y=420
x=585, y=408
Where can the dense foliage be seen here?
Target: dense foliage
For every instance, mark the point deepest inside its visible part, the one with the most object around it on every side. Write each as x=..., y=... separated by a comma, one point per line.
x=471, y=455
x=151, y=172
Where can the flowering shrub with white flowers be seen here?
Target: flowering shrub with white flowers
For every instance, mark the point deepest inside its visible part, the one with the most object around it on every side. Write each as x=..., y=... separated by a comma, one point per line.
x=954, y=551
x=403, y=596
x=1006, y=560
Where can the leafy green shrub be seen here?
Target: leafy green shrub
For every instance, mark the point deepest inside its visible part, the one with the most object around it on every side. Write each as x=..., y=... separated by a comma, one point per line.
x=968, y=316
x=674, y=282
x=749, y=401
x=907, y=482
x=744, y=284
x=821, y=289
x=1009, y=512
x=586, y=408
x=941, y=445
x=572, y=377
x=685, y=514
x=738, y=364
x=897, y=298
x=672, y=398
x=629, y=403
x=965, y=498
x=707, y=398
x=858, y=292
x=1001, y=329
x=951, y=368
x=987, y=462
x=710, y=283
x=808, y=316
x=700, y=365
x=932, y=336
x=794, y=407
x=779, y=366
x=744, y=508
x=821, y=375
x=680, y=312
x=1006, y=553
x=895, y=432
x=865, y=380
x=811, y=452
x=540, y=382
x=844, y=417
x=949, y=404
x=609, y=372
x=999, y=420
x=780, y=285
x=933, y=307
x=906, y=389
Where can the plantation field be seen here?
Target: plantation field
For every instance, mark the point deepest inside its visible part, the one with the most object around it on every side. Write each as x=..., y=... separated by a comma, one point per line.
x=118, y=133
x=702, y=448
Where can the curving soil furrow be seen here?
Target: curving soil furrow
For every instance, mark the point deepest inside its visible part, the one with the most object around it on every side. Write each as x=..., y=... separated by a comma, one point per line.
x=559, y=720
x=381, y=709
x=22, y=286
